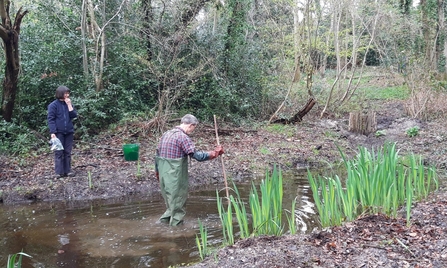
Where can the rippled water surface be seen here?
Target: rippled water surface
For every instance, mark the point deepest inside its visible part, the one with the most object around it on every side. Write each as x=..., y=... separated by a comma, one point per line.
x=125, y=233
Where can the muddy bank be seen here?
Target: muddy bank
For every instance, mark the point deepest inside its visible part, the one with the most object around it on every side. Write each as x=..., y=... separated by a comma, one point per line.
x=370, y=241
x=100, y=171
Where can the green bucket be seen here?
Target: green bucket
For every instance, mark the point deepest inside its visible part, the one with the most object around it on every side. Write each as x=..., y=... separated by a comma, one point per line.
x=131, y=152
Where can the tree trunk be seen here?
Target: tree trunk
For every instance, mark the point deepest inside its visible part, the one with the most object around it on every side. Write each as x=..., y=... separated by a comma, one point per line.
x=148, y=18
x=336, y=31
x=98, y=34
x=426, y=28
x=405, y=6
x=440, y=37
x=84, y=33
x=9, y=32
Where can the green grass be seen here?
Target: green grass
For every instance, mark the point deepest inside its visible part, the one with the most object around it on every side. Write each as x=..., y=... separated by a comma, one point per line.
x=331, y=134
x=288, y=130
x=264, y=150
x=385, y=93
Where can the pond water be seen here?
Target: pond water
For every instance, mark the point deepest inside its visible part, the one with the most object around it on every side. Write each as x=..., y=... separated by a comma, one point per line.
x=125, y=232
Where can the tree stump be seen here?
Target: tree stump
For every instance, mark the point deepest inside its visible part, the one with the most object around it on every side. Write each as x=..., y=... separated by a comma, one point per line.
x=362, y=123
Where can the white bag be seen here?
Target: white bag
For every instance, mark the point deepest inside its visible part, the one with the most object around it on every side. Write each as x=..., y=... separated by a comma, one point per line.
x=56, y=144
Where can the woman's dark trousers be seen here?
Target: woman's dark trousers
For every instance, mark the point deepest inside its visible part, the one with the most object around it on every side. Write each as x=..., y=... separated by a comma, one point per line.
x=62, y=158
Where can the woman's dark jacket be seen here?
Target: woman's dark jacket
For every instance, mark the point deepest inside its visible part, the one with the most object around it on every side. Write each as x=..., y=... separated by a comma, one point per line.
x=59, y=118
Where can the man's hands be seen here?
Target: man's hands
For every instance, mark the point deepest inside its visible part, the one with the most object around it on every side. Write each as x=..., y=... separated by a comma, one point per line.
x=217, y=151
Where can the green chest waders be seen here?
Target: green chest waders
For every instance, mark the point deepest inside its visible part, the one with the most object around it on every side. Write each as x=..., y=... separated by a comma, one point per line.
x=174, y=187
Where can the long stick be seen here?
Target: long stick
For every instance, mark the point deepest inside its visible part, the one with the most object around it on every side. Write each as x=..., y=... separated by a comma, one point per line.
x=221, y=158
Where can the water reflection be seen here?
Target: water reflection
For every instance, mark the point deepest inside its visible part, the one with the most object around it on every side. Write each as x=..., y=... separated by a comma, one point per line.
x=125, y=233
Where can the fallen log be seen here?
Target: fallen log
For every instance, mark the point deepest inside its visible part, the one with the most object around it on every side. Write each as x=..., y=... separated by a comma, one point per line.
x=298, y=117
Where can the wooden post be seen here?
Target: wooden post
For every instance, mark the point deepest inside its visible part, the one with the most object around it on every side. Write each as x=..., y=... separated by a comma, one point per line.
x=362, y=123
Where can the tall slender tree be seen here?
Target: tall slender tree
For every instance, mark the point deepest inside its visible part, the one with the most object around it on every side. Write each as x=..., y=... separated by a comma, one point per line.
x=9, y=33
x=440, y=45
x=147, y=20
x=405, y=6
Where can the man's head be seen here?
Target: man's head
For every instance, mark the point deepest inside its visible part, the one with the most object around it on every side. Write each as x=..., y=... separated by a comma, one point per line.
x=189, y=123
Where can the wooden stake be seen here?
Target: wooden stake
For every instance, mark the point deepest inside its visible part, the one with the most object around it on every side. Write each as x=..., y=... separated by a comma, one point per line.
x=221, y=158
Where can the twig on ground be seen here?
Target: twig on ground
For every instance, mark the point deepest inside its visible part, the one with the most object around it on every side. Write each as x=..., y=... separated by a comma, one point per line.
x=405, y=247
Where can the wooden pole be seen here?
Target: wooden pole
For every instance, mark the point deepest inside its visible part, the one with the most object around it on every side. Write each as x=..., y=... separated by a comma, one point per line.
x=221, y=158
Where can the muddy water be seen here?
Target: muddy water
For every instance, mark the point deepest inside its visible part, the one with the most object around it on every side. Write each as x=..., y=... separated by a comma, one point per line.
x=124, y=233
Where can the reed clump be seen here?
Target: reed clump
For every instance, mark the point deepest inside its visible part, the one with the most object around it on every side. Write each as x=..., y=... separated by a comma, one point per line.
x=15, y=260
x=377, y=182
x=265, y=214
x=202, y=241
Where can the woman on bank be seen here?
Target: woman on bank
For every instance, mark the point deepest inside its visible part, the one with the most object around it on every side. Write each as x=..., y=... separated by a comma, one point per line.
x=60, y=115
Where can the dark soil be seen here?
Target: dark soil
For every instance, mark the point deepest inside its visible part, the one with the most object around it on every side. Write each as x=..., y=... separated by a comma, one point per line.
x=100, y=172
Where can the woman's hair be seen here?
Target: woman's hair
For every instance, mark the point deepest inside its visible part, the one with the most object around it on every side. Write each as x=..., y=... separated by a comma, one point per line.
x=189, y=119
x=60, y=92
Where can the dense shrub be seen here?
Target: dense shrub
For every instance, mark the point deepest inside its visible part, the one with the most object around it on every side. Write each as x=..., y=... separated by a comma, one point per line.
x=18, y=140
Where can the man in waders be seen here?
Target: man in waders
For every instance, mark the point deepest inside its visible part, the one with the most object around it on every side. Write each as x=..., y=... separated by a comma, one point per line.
x=171, y=167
